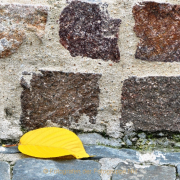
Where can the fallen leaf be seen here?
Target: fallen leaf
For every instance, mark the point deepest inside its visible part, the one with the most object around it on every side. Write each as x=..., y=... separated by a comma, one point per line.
x=52, y=142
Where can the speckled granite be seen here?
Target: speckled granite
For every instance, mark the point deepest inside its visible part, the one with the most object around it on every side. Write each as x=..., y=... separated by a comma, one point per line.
x=157, y=25
x=151, y=103
x=57, y=96
x=86, y=30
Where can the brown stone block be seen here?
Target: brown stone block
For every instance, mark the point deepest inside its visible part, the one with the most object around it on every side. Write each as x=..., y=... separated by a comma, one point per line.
x=151, y=103
x=158, y=27
x=86, y=30
x=60, y=97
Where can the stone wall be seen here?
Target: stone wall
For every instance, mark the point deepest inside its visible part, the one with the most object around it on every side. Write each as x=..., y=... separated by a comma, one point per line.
x=91, y=65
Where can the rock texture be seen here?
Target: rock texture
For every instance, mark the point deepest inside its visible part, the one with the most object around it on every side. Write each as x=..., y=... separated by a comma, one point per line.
x=157, y=25
x=15, y=20
x=31, y=168
x=141, y=172
x=107, y=152
x=86, y=30
x=4, y=171
x=95, y=139
x=113, y=164
x=9, y=150
x=151, y=103
x=60, y=97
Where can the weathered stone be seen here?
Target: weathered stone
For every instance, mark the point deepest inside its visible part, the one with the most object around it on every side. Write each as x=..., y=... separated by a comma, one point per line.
x=172, y=158
x=15, y=20
x=9, y=150
x=94, y=138
x=89, y=1
x=60, y=97
x=178, y=170
x=128, y=142
x=87, y=31
x=157, y=24
x=10, y=42
x=151, y=103
x=31, y=168
x=177, y=145
x=129, y=170
x=107, y=167
x=4, y=171
x=12, y=158
x=107, y=152
x=142, y=135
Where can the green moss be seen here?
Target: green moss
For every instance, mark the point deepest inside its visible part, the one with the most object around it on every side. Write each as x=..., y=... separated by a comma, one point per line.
x=115, y=147
x=9, y=141
x=78, y=131
x=149, y=136
x=104, y=134
x=176, y=137
x=24, y=130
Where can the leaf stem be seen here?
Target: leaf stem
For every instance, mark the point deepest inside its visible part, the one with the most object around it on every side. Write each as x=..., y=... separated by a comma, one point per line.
x=8, y=145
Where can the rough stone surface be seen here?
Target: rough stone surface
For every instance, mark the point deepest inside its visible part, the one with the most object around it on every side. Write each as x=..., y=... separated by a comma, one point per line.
x=108, y=168
x=95, y=139
x=10, y=150
x=15, y=20
x=157, y=24
x=31, y=168
x=12, y=158
x=160, y=158
x=47, y=53
x=151, y=103
x=86, y=30
x=172, y=158
x=142, y=135
x=129, y=170
x=89, y=1
x=178, y=170
x=107, y=152
x=4, y=171
x=60, y=97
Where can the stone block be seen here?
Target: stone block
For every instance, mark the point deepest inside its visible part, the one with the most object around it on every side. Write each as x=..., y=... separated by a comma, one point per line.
x=31, y=168
x=143, y=172
x=88, y=31
x=151, y=103
x=60, y=97
x=157, y=25
x=15, y=20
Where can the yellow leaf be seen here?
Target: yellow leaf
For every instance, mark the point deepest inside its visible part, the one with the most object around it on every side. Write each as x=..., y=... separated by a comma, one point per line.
x=52, y=142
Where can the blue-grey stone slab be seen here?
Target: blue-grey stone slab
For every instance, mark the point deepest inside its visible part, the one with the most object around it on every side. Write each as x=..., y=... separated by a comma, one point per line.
x=125, y=171
x=107, y=152
x=38, y=169
x=9, y=150
x=172, y=158
x=4, y=171
x=95, y=138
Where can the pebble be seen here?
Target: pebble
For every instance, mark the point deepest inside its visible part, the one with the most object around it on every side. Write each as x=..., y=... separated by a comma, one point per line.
x=142, y=135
